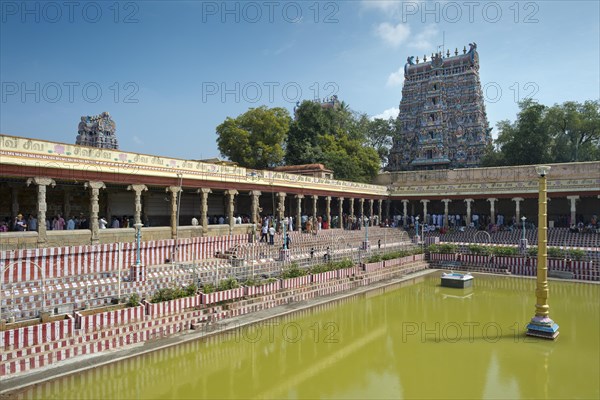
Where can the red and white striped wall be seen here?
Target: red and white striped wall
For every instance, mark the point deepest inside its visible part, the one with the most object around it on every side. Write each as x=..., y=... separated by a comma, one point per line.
x=262, y=289
x=223, y=295
x=36, y=334
x=324, y=276
x=58, y=262
x=107, y=319
x=295, y=282
x=170, y=307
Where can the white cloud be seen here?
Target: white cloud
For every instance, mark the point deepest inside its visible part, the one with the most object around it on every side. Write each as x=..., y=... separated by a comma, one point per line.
x=387, y=114
x=422, y=41
x=396, y=78
x=394, y=35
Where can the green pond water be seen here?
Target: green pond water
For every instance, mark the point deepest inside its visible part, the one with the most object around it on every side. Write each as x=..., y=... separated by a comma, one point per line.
x=410, y=340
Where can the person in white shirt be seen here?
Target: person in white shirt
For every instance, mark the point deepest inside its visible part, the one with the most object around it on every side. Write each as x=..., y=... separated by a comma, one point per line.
x=102, y=223
x=272, y=235
x=194, y=221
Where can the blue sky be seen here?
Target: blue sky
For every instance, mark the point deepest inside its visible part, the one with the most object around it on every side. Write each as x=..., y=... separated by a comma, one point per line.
x=170, y=72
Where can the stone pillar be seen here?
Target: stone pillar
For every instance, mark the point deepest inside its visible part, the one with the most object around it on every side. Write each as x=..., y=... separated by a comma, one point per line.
x=42, y=207
x=518, y=201
x=405, y=215
x=370, y=212
x=299, y=198
x=361, y=212
x=446, y=201
x=492, y=201
x=231, y=206
x=174, y=192
x=425, y=211
x=138, y=189
x=204, y=192
x=314, y=210
x=328, y=210
x=67, y=204
x=379, y=210
x=468, y=201
x=255, y=194
x=341, y=211
x=388, y=204
x=573, y=200
x=14, y=191
x=95, y=187
x=351, y=207
x=281, y=206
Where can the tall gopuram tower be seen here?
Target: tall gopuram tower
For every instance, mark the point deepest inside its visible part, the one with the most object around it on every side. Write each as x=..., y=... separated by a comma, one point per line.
x=97, y=131
x=442, y=121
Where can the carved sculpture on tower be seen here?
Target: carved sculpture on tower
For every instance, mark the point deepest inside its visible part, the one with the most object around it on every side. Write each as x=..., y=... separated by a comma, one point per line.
x=97, y=131
x=442, y=120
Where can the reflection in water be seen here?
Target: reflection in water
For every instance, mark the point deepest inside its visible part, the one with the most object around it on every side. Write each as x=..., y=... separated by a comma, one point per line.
x=409, y=340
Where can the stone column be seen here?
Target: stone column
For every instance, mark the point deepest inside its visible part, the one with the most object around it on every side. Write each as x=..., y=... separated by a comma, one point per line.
x=231, y=206
x=361, y=212
x=67, y=204
x=425, y=211
x=388, y=204
x=281, y=206
x=446, y=201
x=138, y=189
x=314, y=210
x=95, y=187
x=370, y=212
x=328, y=210
x=468, y=201
x=341, y=211
x=405, y=215
x=42, y=207
x=351, y=207
x=517, y=201
x=204, y=192
x=379, y=210
x=255, y=194
x=14, y=191
x=573, y=200
x=492, y=201
x=299, y=198
x=174, y=192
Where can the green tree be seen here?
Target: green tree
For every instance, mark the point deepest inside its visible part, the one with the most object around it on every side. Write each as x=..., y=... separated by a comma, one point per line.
x=379, y=136
x=255, y=139
x=575, y=128
x=335, y=137
x=561, y=133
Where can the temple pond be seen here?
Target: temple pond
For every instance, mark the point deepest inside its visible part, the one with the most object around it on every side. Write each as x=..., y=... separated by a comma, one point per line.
x=410, y=340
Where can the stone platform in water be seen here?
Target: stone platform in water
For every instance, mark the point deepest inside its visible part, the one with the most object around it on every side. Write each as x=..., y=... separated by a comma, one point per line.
x=456, y=280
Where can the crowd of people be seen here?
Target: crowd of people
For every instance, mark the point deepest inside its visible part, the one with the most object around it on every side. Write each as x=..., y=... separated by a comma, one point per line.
x=59, y=223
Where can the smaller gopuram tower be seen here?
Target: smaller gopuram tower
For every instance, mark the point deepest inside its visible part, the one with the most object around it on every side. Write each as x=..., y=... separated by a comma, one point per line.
x=442, y=119
x=97, y=131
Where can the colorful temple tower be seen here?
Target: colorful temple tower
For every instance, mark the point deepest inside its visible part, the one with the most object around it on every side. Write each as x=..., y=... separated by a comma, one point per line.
x=442, y=121
x=97, y=131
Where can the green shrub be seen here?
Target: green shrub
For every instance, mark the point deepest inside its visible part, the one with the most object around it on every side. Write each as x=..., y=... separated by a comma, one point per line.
x=293, y=271
x=555, y=252
x=134, y=300
x=505, y=251
x=190, y=290
x=345, y=263
x=445, y=248
x=577, y=254
x=208, y=288
x=532, y=251
x=227, y=284
x=478, y=249
x=374, y=258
